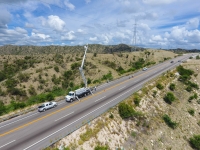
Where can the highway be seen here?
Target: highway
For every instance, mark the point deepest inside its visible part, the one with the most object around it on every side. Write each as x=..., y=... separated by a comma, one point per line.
x=35, y=130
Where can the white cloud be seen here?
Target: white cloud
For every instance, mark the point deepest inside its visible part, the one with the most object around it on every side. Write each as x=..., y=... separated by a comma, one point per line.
x=87, y=1
x=69, y=5
x=158, y=2
x=28, y=25
x=93, y=38
x=194, y=36
x=193, y=23
x=40, y=35
x=53, y=22
x=68, y=36
x=5, y=17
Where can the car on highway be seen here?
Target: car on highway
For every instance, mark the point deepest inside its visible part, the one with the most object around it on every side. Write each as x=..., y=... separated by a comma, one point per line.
x=47, y=105
x=144, y=69
x=172, y=61
x=179, y=61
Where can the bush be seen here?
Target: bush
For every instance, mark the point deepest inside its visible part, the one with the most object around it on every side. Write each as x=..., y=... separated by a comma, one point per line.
x=125, y=110
x=159, y=86
x=169, y=122
x=136, y=100
x=56, y=68
x=169, y=98
x=2, y=108
x=111, y=116
x=191, y=112
x=172, y=86
x=154, y=93
x=101, y=147
x=183, y=71
x=188, y=88
x=195, y=142
x=49, y=97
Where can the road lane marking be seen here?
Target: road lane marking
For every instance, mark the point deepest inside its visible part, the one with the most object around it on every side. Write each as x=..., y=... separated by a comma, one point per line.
x=36, y=120
x=17, y=120
x=100, y=99
x=122, y=87
x=65, y=116
x=6, y=144
x=81, y=118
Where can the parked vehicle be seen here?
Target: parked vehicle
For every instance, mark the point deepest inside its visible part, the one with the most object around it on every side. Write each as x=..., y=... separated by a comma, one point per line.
x=73, y=95
x=47, y=105
x=144, y=69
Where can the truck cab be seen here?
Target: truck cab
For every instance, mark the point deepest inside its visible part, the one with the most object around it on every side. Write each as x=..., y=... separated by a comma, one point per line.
x=70, y=97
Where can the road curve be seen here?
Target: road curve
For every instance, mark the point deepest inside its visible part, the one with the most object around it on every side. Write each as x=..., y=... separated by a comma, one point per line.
x=35, y=130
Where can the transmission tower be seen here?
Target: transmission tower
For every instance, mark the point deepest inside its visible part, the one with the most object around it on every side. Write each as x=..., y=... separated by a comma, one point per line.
x=135, y=32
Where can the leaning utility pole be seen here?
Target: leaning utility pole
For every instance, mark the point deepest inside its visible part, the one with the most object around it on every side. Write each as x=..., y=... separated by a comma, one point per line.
x=81, y=68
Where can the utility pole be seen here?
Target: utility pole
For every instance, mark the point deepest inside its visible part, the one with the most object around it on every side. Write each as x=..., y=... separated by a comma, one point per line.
x=135, y=32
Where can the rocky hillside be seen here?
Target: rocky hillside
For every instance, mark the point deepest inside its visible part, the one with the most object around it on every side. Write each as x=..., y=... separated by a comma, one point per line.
x=166, y=117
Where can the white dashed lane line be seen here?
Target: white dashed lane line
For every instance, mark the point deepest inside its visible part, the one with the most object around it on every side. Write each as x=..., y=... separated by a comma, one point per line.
x=100, y=99
x=65, y=116
x=6, y=144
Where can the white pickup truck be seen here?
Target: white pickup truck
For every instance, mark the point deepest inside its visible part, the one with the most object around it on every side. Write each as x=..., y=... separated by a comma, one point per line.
x=47, y=105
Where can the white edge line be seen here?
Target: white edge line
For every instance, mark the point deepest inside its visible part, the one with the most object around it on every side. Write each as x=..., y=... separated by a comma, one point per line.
x=7, y=143
x=17, y=120
x=65, y=116
x=100, y=98
x=82, y=117
x=122, y=87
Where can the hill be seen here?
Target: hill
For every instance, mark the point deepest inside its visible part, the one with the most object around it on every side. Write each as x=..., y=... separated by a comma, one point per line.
x=160, y=121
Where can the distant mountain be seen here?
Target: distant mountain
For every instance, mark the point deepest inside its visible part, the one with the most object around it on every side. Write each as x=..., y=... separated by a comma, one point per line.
x=93, y=48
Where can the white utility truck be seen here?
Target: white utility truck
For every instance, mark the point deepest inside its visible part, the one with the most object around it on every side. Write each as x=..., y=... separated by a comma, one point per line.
x=73, y=95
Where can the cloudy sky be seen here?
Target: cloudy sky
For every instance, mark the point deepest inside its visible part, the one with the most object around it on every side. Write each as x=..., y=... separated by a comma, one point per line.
x=156, y=23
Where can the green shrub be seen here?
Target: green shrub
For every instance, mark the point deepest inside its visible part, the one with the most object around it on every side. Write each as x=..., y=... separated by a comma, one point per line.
x=125, y=110
x=195, y=142
x=169, y=122
x=133, y=134
x=198, y=122
x=107, y=76
x=23, y=77
x=11, y=82
x=183, y=71
x=111, y=116
x=159, y=86
x=191, y=112
x=154, y=93
x=172, y=86
x=188, y=88
x=75, y=66
x=136, y=100
x=95, y=54
x=32, y=90
x=49, y=97
x=98, y=147
x=56, y=68
x=169, y=98
x=2, y=108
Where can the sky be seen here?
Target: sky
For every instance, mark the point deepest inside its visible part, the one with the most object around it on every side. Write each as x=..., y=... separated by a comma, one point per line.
x=166, y=24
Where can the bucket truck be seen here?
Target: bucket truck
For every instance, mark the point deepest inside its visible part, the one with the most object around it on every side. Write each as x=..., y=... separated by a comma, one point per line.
x=73, y=95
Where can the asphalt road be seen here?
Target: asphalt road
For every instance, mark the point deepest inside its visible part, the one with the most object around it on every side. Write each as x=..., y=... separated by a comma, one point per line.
x=35, y=131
